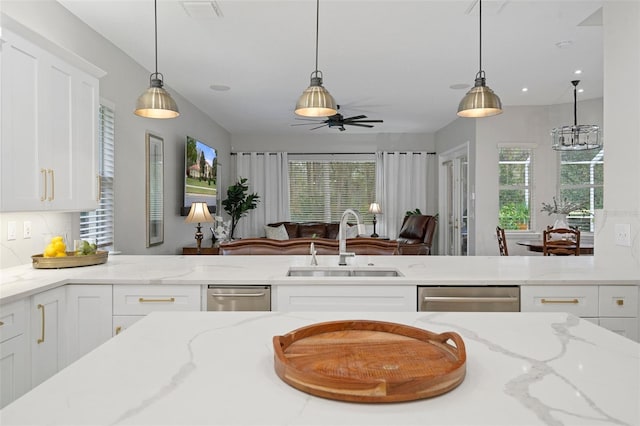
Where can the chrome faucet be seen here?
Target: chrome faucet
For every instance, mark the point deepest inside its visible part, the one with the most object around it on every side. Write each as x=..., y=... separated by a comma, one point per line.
x=342, y=234
x=313, y=252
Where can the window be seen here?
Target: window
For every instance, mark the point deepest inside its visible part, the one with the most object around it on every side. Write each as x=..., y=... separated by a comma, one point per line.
x=98, y=224
x=582, y=181
x=514, y=186
x=321, y=190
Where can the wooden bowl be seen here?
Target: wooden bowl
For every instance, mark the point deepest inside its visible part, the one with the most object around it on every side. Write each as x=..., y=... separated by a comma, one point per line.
x=370, y=361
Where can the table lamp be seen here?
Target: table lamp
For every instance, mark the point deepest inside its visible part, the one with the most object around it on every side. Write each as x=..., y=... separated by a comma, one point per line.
x=375, y=209
x=199, y=213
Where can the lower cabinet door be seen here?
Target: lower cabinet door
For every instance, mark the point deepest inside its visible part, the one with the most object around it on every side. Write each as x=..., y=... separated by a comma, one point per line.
x=47, y=320
x=89, y=312
x=14, y=369
x=627, y=327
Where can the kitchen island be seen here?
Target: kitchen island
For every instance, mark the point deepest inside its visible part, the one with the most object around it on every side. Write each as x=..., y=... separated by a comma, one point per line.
x=189, y=368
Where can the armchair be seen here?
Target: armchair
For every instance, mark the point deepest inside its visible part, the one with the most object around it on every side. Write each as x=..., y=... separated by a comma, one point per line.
x=416, y=234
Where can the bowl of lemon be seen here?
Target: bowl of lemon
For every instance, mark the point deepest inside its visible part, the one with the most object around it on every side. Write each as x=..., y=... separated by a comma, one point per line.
x=56, y=255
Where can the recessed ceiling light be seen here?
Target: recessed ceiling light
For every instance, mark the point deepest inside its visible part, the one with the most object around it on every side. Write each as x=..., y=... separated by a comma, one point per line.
x=577, y=72
x=564, y=44
x=219, y=87
x=525, y=89
x=459, y=86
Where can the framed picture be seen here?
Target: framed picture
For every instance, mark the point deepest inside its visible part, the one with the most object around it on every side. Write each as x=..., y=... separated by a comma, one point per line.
x=154, y=189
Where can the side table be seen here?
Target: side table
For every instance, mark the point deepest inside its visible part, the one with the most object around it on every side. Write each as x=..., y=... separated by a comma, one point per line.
x=207, y=248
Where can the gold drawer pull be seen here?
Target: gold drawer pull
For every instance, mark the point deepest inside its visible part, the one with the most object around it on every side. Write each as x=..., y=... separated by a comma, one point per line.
x=571, y=301
x=620, y=302
x=1, y=323
x=118, y=329
x=41, y=339
x=169, y=300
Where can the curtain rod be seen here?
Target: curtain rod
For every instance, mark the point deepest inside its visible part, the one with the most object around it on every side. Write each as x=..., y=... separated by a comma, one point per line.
x=328, y=153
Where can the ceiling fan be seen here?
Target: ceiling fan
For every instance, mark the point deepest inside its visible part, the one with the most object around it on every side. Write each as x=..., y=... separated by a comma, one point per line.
x=339, y=121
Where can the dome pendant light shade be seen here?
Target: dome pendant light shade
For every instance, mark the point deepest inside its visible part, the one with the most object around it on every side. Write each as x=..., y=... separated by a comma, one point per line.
x=577, y=137
x=480, y=101
x=156, y=102
x=316, y=101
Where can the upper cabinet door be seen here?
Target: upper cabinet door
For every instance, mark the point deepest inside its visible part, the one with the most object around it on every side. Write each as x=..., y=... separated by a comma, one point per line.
x=49, y=130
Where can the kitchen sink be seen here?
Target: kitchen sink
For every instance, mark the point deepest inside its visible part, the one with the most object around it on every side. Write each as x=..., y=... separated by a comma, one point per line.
x=341, y=272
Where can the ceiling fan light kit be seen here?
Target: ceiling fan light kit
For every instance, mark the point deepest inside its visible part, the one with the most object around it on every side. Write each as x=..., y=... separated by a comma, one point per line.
x=576, y=137
x=480, y=100
x=316, y=101
x=156, y=102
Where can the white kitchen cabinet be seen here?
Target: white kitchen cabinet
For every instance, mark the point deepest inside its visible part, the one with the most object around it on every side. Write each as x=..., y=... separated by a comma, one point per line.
x=47, y=315
x=132, y=302
x=612, y=307
x=49, y=130
x=344, y=298
x=89, y=316
x=14, y=368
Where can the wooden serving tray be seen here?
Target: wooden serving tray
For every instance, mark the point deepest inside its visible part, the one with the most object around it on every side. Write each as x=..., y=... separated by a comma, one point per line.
x=69, y=261
x=370, y=361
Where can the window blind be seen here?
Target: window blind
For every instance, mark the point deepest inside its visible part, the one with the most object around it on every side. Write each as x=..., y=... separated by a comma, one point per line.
x=322, y=190
x=98, y=224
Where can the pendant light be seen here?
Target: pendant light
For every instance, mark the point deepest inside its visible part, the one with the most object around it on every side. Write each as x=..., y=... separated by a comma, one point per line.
x=316, y=101
x=480, y=101
x=576, y=137
x=156, y=102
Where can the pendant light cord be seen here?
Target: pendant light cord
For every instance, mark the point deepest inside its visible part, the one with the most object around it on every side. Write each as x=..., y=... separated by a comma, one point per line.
x=317, y=30
x=155, y=18
x=480, y=38
x=575, y=101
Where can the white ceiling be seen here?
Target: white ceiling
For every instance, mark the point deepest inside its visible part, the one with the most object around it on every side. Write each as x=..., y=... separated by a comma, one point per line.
x=391, y=60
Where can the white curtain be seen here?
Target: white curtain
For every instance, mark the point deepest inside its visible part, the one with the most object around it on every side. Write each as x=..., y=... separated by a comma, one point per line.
x=404, y=181
x=267, y=175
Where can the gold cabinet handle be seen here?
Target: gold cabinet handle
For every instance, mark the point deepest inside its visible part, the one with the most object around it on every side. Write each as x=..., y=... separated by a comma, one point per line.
x=118, y=329
x=41, y=339
x=620, y=302
x=1, y=323
x=53, y=185
x=169, y=300
x=43, y=172
x=569, y=301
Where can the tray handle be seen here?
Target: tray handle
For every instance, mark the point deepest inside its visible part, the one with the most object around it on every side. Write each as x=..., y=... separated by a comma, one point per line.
x=459, y=347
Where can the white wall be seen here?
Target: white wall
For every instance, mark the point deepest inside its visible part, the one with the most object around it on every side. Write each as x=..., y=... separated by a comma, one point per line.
x=124, y=82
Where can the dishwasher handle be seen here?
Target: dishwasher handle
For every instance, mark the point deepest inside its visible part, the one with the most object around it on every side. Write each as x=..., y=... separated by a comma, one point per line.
x=237, y=294
x=467, y=299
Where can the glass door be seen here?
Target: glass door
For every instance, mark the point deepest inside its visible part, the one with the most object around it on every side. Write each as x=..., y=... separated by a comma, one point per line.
x=454, y=196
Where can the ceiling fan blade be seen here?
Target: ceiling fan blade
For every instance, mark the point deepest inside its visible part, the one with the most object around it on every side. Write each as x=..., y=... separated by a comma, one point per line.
x=368, y=121
x=355, y=117
x=359, y=125
x=314, y=128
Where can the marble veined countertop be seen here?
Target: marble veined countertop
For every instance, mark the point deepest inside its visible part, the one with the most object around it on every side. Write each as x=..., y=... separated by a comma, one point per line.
x=24, y=280
x=217, y=368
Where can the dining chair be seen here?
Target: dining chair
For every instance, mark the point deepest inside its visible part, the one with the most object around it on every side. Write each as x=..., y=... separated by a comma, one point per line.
x=502, y=241
x=561, y=242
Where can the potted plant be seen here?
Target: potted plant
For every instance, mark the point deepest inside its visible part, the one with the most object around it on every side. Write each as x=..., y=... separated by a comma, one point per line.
x=561, y=209
x=238, y=202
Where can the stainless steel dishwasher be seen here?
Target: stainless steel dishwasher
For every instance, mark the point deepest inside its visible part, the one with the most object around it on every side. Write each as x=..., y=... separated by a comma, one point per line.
x=469, y=299
x=239, y=298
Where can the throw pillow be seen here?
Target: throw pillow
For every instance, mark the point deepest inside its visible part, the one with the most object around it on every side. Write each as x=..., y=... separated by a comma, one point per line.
x=276, y=233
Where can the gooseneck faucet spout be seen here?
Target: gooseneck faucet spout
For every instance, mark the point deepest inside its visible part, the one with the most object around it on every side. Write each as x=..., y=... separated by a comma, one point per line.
x=342, y=234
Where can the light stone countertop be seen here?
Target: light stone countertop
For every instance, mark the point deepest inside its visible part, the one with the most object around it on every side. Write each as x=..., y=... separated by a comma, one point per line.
x=24, y=280
x=217, y=368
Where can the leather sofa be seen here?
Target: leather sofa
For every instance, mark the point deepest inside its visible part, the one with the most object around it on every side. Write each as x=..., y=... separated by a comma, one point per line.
x=309, y=229
x=301, y=246
x=416, y=234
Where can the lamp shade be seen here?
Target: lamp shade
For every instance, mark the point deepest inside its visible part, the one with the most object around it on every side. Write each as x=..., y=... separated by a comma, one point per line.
x=480, y=101
x=156, y=102
x=316, y=101
x=375, y=208
x=199, y=213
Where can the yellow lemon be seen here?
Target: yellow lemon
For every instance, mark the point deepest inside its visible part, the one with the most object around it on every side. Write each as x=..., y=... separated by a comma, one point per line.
x=50, y=251
x=60, y=246
x=61, y=254
x=57, y=238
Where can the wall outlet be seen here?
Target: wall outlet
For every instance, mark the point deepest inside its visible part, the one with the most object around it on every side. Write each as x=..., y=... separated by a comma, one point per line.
x=11, y=231
x=26, y=229
x=623, y=234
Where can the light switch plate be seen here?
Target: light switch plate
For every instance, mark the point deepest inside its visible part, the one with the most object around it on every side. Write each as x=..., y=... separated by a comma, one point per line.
x=26, y=229
x=623, y=234
x=11, y=231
